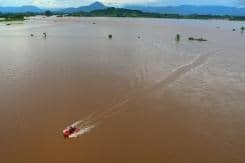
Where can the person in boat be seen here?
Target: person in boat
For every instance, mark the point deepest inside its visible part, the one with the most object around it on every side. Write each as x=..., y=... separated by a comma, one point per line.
x=72, y=129
x=69, y=131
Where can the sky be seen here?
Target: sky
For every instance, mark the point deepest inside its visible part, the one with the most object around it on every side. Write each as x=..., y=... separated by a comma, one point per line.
x=75, y=3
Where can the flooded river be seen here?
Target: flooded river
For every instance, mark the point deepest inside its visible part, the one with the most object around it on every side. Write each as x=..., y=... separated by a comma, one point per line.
x=146, y=97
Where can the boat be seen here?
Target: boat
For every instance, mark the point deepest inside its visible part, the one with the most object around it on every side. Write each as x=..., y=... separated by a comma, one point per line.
x=71, y=130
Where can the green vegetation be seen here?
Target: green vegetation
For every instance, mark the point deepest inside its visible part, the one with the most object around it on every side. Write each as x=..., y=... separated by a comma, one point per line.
x=48, y=13
x=242, y=29
x=12, y=17
x=110, y=36
x=197, y=39
x=6, y=17
x=119, y=12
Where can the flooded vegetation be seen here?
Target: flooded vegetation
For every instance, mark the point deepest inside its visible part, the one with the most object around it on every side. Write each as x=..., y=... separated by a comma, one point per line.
x=139, y=97
x=11, y=17
x=197, y=39
x=110, y=36
x=177, y=38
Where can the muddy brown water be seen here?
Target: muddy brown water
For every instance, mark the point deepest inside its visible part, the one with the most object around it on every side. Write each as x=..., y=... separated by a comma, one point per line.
x=155, y=100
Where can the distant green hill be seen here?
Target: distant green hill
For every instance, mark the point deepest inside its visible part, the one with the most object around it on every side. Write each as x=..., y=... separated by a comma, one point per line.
x=120, y=12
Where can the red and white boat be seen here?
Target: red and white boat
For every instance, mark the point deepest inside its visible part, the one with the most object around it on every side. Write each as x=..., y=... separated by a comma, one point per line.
x=72, y=130
x=76, y=129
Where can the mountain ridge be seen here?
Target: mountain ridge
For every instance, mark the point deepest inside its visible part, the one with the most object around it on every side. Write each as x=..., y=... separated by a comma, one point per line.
x=191, y=9
x=182, y=9
x=21, y=9
x=88, y=8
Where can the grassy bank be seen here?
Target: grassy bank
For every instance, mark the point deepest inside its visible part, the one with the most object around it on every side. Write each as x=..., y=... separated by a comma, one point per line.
x=12, y=17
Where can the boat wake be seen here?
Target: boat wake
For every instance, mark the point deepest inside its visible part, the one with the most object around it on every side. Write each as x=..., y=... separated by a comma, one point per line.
x=94, y=119
x=77, y=129
x=82, y=131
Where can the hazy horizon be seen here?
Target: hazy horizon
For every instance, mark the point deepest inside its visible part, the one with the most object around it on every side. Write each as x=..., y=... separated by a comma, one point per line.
x=77, y=3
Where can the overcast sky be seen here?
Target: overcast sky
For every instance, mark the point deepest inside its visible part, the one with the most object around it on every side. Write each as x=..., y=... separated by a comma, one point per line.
x=74, y=3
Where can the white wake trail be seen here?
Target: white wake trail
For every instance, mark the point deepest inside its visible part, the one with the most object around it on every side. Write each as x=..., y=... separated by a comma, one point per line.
x=82, y=131
x=96, y=118
x=92, y=120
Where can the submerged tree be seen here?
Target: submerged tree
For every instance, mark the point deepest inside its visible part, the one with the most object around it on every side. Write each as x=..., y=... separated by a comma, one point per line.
x=242, y=29
x=177, y=38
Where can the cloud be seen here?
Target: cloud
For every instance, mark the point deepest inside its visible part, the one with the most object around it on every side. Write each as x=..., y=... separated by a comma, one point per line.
x=44, y=3
x=241, y=2
x=74, y=3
